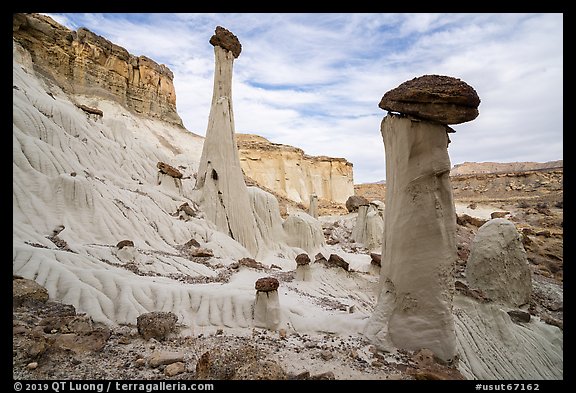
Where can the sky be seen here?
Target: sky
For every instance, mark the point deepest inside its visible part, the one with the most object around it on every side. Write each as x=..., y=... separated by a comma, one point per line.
x=314, y=80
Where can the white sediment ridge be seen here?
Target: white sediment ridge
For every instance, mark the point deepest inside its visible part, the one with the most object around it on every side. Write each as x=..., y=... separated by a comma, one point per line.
x=97, y=177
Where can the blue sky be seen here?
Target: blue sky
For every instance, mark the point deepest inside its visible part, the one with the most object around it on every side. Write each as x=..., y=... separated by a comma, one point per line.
x=315, y=80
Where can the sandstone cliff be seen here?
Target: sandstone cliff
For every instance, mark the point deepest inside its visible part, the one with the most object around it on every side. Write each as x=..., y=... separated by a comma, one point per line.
x=82, y=62
x=290, y=173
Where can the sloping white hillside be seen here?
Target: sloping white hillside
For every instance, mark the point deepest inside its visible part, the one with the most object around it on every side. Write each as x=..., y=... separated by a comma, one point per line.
x=97, y=177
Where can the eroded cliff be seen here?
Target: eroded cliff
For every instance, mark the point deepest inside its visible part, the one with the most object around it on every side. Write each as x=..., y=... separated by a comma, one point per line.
x=291, y=173
x=82, y=62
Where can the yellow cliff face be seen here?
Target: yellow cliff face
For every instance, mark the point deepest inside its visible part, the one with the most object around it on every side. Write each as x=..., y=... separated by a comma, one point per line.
x=82, y=62
x=289, y=172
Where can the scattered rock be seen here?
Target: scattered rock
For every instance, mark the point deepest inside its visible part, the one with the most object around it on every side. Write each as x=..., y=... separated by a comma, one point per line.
x=319, y=258
x=250, y=262
x=169, y=170
x=326, y=355
x=260, y=370
x=302, y=376
x=429, y=367
x=473, y=293
x=337, y=261
x=222, y=363
x=329, y=375
x=499, y=214
x=202, y=252
x=25, y=290
x=438, y=98
x=544, y=232
x=160, y=358
x=94, y=341
x=519, y=316
x=32, y=366
x=174, y=369
x=188, y=211
x=464, y=219
x=92, y=111
x=156, y=324
x=192, y=243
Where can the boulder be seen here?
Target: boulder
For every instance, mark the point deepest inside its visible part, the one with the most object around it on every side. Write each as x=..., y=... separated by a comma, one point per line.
x=498, y=265
x=25, y=290
x=266, y=284
x=302, y=259
x=260, y=370
x=169, y=170
x=337, y=261
x=355, y=201
x=222, y=363
x=156, y=324
x=226, y=40
x=438, y=98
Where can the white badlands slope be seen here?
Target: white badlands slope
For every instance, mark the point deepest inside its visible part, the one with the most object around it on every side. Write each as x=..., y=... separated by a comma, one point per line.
x=97, y=177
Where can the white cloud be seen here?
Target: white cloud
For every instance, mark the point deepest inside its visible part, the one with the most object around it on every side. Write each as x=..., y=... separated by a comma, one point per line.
x=315, y=80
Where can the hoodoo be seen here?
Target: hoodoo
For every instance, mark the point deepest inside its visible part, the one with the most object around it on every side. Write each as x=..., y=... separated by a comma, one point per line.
x=224, y=196
x=414, y=308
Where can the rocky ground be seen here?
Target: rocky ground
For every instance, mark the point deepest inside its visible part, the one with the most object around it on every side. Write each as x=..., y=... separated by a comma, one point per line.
x=52, y=341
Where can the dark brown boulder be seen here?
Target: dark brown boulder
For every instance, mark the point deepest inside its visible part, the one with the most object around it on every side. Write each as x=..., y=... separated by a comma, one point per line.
x=337, y=261
x=354, y=201
x=518, y=316
x=376, y=259
x=169, y=170
x=266, y=284
x=438, y=98
x=302, y=259
x=226, y=40
x=124, y=243
x=464, y=219
x=251, y=262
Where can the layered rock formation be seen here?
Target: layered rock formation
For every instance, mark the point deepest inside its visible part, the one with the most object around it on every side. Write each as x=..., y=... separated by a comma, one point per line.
x=472, y=168
x=82, y=62
x=289, y=172
x=414, y=308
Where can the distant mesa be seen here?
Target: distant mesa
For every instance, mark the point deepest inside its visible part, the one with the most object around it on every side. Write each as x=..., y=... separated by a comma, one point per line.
x=226, y=39
x=442, y=99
